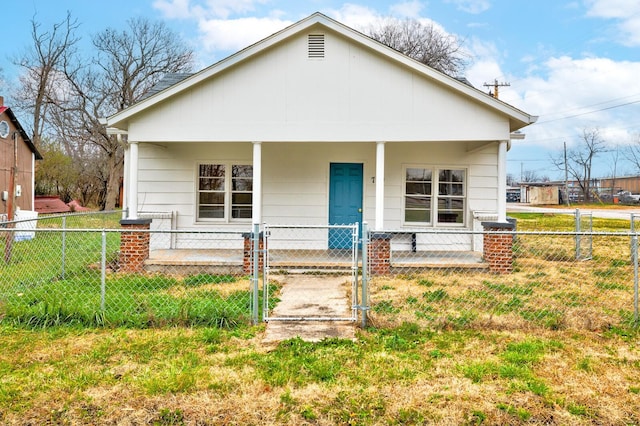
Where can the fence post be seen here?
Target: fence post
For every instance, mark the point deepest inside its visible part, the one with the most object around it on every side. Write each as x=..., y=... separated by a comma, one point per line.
x=357, y=244
x=64, y=244
x=578, y=227
x=364, y=298
x=255, y=237
x=634, y=259
x=103, y=271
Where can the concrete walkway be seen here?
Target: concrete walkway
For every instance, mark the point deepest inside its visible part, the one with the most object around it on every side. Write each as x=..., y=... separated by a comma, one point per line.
x=312, y=297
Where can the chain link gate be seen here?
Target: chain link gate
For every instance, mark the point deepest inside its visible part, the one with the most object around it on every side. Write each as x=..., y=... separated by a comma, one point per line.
x=310, y=250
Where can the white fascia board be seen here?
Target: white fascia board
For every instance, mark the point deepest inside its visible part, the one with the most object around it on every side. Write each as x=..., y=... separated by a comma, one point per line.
x=518, y=118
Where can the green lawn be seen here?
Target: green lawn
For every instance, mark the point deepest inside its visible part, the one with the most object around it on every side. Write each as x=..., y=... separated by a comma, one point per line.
x=552, y=343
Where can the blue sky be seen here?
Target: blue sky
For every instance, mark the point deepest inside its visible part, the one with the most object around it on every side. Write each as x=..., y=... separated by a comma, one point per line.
x=573, y=63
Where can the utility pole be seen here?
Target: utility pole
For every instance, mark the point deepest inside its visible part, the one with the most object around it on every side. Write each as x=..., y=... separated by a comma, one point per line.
x=495, y=86
x=521, y=171
x=566, y=176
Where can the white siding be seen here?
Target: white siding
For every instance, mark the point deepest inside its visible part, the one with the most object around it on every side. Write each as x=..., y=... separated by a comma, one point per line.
x=167, y=176
x=296, y=181
x=308, y=113
x=353, y=94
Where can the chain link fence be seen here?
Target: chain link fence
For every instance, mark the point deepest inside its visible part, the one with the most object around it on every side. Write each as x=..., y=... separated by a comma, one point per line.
x=66, y=270
x=579, y=278
x=552, y=285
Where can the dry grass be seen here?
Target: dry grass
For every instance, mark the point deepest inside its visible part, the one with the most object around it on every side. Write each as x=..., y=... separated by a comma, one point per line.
x=229, y=288
x=193, y=376
x=549, y=344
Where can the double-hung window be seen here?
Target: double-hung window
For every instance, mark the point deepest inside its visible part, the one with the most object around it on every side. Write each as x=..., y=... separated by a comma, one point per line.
x=225, y=191
x=434, y=196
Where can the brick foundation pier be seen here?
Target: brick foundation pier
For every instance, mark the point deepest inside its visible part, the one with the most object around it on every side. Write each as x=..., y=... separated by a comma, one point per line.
x=247, y=257
x=379, y=255
x=498, y=247
x=134, y=246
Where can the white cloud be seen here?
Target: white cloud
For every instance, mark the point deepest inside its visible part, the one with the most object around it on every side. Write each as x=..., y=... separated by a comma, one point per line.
x=410, y=9
x=577, y=94
x=235, y=34
x=206, y=9
x=471, y=6
x=355, y=16
x=630, y=29
x=612, y=8
x=625, y=12
x=223, y=26
x=226, y=8
x=362, y=18
x=173, y=9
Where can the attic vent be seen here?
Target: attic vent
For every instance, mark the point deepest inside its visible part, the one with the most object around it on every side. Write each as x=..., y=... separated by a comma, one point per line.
x=316, y=46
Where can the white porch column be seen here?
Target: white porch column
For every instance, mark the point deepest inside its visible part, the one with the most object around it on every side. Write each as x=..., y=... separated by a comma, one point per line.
x=125, y=182
x=379, y=222
x=133, y=181
x=502, y=182
x=256, y=209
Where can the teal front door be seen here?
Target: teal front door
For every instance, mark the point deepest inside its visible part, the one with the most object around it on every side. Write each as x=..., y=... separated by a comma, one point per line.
x=345, y=202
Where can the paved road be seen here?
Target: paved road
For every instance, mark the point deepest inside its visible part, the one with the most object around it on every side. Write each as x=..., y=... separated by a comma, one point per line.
x=622, y=213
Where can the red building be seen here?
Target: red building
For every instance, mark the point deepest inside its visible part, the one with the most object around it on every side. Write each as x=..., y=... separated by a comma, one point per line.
x=17, y=165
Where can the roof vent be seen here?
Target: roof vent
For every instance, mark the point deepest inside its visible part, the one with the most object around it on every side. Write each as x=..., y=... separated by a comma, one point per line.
x=316, y=46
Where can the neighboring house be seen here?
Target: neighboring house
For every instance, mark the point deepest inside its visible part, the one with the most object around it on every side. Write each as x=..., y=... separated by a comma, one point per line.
x=319, y=124
x=17, y=165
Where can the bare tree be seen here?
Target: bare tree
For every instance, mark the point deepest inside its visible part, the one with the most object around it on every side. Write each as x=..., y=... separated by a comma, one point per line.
x=131, y=62
x=41, y=65
x=615, y=159
x=580, y=160
x=632, y=152
x=127, y=64
x=529, y=176
x=422, y=42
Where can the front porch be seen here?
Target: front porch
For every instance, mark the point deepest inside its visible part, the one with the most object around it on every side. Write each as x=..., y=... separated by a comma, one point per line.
x=229, y=261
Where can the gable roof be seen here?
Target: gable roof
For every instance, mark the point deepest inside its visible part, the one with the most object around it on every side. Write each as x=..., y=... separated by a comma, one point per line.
x=517, y=118
x=23, y=134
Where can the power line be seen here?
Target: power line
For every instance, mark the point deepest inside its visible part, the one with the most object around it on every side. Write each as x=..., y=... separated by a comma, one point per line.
x=589, y=112
x=593, y=105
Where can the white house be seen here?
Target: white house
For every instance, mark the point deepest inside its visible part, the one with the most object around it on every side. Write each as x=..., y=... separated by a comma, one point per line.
x=319, y=124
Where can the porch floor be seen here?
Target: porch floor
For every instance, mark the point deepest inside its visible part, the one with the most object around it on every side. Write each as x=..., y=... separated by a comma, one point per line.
x=309, y=259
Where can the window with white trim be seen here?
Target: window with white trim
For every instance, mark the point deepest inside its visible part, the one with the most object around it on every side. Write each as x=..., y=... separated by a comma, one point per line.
x=225, y=191
x=434, y=195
